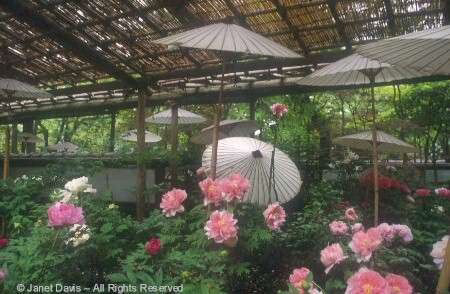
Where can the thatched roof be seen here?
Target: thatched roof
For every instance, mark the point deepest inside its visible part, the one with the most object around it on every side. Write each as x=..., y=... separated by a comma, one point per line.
x=70, y=47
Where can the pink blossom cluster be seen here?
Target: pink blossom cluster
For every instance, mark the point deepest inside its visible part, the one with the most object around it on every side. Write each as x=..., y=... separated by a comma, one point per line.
x=302, y=280
x=229, y=189
x=275, y=216
x=221, y=226
x=279, y=110
x=338, y=228
x=171, y=202
x=332, y=255
x=64, y=214
x=423, y=192
x=363, y=244
x=369, y=281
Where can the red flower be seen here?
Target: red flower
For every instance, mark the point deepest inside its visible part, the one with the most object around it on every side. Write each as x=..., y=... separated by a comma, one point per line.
x=423, y=192
x=384, y=182
x=153, y=246
x=3, y=242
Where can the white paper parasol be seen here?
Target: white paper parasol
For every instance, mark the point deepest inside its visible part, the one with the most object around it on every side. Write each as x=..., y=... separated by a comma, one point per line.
x=251, y=158
x=227, y=128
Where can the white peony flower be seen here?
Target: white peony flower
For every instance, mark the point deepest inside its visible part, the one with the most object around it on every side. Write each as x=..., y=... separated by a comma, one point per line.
x=438, y=252
x=112, y=206
x=91, y=190
x=81, y=234
x=77, y=185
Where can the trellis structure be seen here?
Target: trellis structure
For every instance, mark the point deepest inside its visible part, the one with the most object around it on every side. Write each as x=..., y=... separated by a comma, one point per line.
x=97, y=56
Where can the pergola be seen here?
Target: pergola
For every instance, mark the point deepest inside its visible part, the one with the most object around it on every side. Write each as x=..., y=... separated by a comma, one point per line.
x=97, y=56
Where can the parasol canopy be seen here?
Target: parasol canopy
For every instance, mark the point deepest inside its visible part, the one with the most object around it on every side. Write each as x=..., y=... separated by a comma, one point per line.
x=251, y=159
x=184, y=117
x=228, y=37
x=64, y=147
x=227, y=128
x=11, y=89
x=385, y=143
x=132, y=136
x=28, y=138
x=351, y=71
x=427, y=51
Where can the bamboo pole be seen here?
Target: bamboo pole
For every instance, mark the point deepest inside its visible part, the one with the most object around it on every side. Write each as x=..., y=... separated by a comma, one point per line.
x=375, y=159
x=444, y=279
x=140, y=199
x=7, y=153
x=217, y=117
x=174, y=144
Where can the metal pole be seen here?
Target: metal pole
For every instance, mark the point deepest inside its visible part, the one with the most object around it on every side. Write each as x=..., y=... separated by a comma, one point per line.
x=6, y=159
x=217, y=117
x=174, y=144
x=140, y=200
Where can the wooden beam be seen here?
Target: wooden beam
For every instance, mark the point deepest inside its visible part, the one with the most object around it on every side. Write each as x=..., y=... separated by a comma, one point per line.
x=282, y=11
x=339, y=25
x=233, y=93
x=67, y=40
x=255, y=64
x=390, y=18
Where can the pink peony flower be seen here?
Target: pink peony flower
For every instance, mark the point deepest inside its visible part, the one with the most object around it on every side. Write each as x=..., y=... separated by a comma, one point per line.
x=235, y=187
x=364, y=243
x=212, y=191
x=423, y=192
x=153, y=246
x=350, y=214
x=64, y=214
x=404, y=232
x=366, y=281
x=338, y=227
x=331, y=255
x=171, y=202
x=405, y=188
x=279, y=110
x=442, y=192
x=275, y=216
x=357, y=227
x=298, y=278
x=438, y=252
x=398, y=284
x=387, y=231
x=221, y=226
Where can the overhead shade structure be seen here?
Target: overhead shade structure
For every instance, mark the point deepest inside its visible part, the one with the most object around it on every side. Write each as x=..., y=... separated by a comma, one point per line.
x=11, y=89
x=385, y=143
x=427, y=51
x=28, y=138
x=356, y=70
x=184, y=117
x=64, y=147
x=226, y=38
x=251, y=158
x=227, y=128
x=132, y=136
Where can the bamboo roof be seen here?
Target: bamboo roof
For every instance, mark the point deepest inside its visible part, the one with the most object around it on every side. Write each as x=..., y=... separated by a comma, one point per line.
x=74, y=47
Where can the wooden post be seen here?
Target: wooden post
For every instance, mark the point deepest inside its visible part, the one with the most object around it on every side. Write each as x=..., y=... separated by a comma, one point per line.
x=14, y=139
x=174, y=144
x=252, y=109
x=217, y=117
x=444, y=279
x=112, y=133
x=140, y=199
x=6, y=159
x=28, y=127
